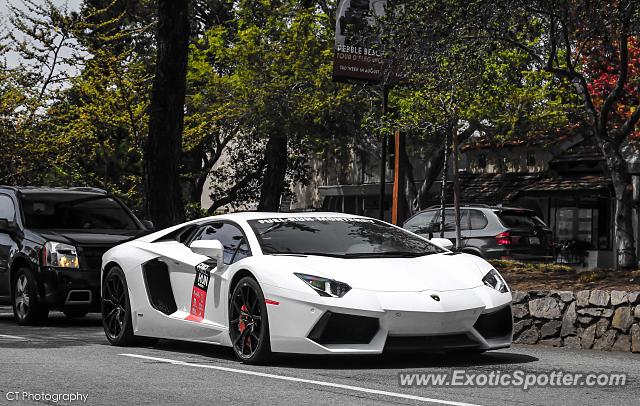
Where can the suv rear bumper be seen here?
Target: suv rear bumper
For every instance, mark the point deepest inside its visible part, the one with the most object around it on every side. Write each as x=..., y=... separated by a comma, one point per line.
x=65, y=289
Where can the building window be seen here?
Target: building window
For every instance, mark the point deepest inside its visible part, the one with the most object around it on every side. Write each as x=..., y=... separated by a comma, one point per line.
x=531, y=159
x=585, y=221
x=482, y=162
x=576, y=224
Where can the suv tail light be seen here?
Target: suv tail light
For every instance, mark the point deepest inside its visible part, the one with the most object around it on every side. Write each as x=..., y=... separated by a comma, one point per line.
x=503, y=238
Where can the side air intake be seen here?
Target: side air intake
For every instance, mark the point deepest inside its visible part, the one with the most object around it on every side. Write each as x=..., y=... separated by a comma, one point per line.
x=156, y=279
x=337, y=328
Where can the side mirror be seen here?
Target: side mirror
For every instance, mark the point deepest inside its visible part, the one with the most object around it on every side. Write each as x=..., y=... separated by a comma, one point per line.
x=148, y=224
x=442, y=242
x=209, y=248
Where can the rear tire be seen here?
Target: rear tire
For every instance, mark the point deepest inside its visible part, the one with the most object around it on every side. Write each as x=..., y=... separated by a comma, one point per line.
x=116, y=309
x=27, y=309
x=249, y=323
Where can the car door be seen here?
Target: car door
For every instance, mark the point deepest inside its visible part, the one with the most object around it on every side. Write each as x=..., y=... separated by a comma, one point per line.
x=236, y=248
x=477, y=233
x=189, y=289
x=450, y=225
x=421, y=223
x=7, y=212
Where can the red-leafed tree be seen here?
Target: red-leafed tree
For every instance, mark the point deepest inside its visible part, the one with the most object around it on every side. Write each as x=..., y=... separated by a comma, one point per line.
x=602, y=71
x=594, y=46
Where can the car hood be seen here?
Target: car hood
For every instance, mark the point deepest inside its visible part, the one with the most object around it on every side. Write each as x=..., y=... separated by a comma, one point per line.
x=95, y=238
x=439, y=272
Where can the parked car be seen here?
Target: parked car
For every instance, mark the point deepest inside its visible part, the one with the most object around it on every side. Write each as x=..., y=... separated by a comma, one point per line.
x=51, y=246
x=491, y=232
x=307, y=283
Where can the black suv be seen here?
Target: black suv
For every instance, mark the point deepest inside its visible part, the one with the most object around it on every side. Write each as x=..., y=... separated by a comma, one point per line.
x=51, y=246
x=491, y=232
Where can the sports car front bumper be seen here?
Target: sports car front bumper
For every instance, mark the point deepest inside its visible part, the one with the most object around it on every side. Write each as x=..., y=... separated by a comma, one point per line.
x=371, y=322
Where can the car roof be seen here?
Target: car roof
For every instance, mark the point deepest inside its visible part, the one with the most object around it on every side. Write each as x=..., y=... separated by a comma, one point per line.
x=479, y=207
x=54, y=190
x=242, y=216
x=257, y=215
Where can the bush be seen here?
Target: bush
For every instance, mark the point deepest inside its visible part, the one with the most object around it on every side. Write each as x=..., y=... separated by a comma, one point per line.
x=518, y=266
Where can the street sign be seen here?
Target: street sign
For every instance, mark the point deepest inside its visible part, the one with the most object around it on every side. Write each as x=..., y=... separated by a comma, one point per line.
x=356, y=56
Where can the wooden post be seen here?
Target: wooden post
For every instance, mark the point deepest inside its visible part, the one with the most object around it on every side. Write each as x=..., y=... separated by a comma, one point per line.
x=383, y=156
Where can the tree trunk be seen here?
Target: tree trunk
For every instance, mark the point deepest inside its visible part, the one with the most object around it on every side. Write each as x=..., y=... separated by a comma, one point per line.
x=409, y=185
x=456, y=186
x=433, y=167
x=164, y=203
x=274, y=175
x=623, y=190
x=443, y=188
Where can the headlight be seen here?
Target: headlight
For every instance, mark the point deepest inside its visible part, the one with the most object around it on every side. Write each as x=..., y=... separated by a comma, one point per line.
x=60, y=255
x=324, y=286
x=493, y=280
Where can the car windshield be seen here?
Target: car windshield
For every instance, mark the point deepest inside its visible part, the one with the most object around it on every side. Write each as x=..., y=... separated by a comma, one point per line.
x=522, y=218
x=75, y=212
x=344, y=237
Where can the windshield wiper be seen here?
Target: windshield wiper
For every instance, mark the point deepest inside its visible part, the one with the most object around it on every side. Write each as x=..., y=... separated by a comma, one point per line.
x=352, y=255
x=385, y=254
x=320, y=254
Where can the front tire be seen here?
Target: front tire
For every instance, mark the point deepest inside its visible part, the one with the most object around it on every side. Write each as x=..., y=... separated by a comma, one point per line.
x=249, y=323
x=116, y=309
x=27, y=309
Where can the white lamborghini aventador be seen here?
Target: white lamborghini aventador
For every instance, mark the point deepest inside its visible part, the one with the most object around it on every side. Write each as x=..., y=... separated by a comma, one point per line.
x=315, y=283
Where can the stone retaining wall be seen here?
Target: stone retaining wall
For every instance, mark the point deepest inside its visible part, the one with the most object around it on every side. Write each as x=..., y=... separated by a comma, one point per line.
x=596, y=319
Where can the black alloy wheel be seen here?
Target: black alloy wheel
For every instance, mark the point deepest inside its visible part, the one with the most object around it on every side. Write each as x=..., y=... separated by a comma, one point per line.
x=116, y=309
x=248, y=323
x=27, y=309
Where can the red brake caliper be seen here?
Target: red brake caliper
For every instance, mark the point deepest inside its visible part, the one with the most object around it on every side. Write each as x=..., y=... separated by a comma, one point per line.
x=241, y=324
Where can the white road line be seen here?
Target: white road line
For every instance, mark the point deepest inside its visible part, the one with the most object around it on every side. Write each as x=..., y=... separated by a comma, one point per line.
x=13, y=337
x=309, y=381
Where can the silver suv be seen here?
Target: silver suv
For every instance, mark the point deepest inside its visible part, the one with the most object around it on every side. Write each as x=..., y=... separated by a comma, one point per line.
x=491, y=232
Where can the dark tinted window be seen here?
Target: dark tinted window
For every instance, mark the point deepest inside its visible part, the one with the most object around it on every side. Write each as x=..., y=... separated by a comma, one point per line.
x=477, y=220
x=242, y=251
x=515, y=218
x=75, y=212
x=450, y=220
x=420, y=223
x=229, y=235
x=7, y=209
x=338, y=236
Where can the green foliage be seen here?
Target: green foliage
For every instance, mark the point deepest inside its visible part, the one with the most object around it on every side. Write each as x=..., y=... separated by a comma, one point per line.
x=83, y=125
x=256, y=68
x=524, y=267
x=453, y=77
x=269, y=72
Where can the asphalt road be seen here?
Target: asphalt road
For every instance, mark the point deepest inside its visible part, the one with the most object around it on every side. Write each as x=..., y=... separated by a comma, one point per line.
x=67, y=356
